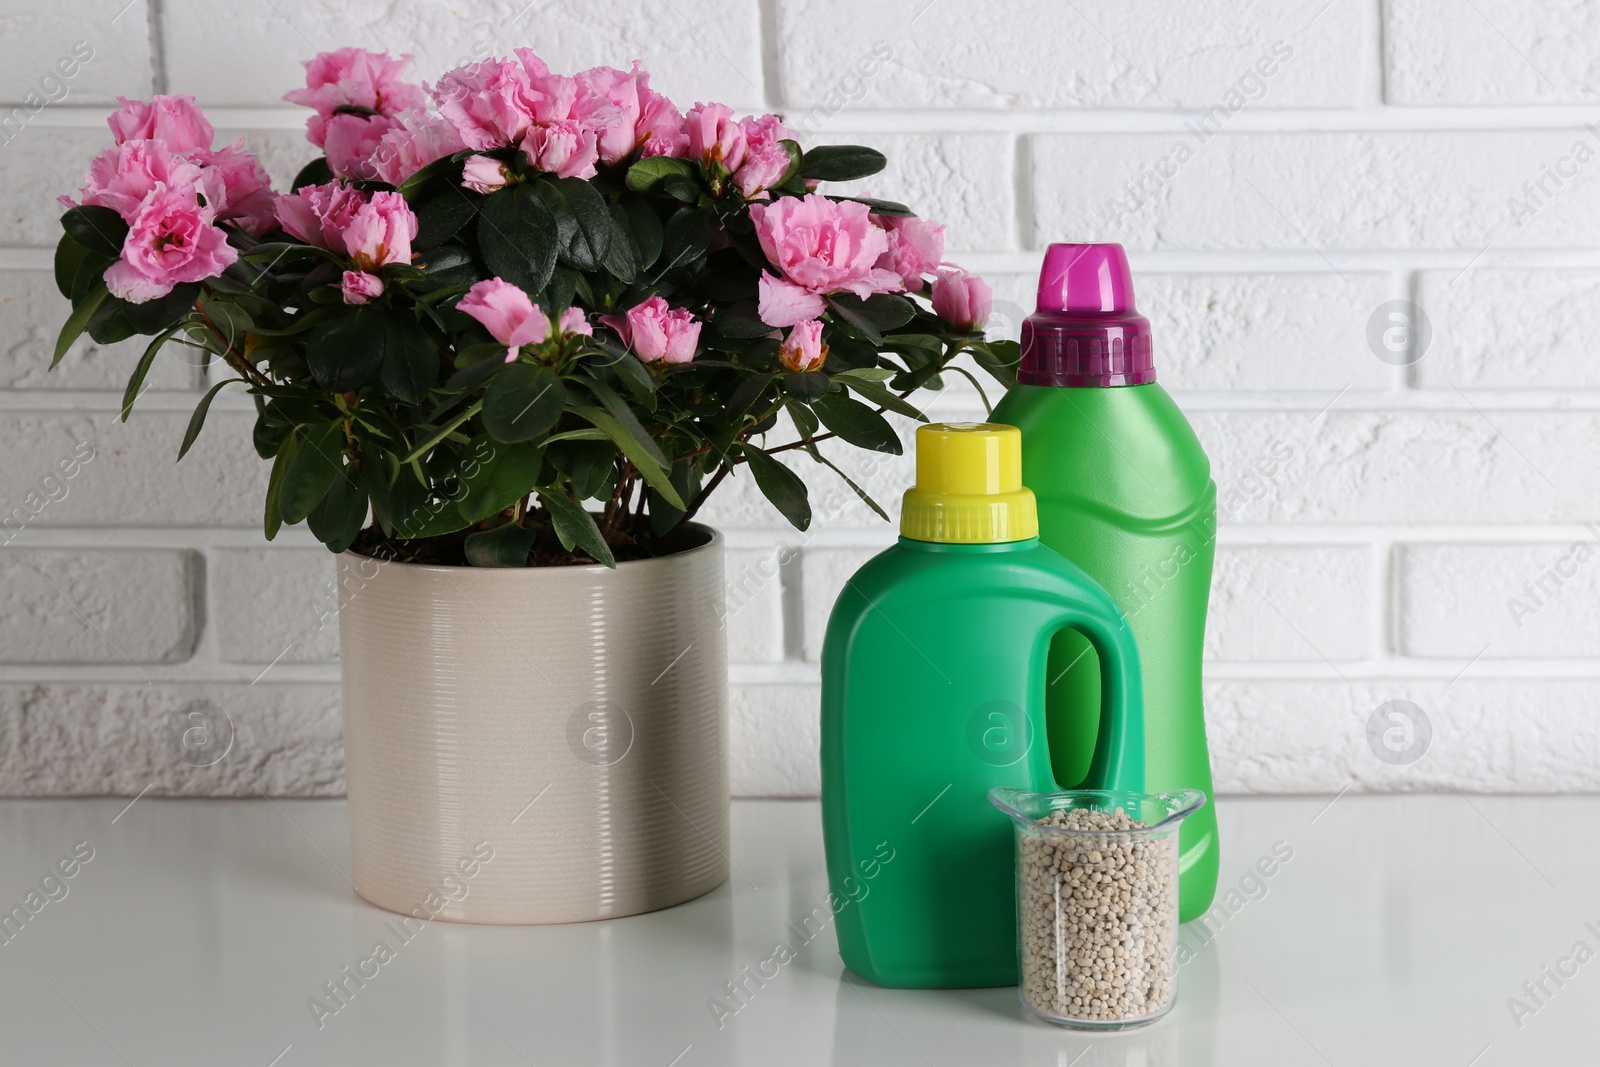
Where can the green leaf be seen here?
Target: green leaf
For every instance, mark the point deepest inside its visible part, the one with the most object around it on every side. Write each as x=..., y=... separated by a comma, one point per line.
x=154, y=316
x=576, y=527
x=582, y=222
x=684, y=239
x=450, y=265
x=109, y=324
x=432, y=441
x=864, y=374
x=272, y=518
x=99, y=229
x=317, y=172
x=198, y=419
x=877, y=393
x=445, y=166
x=503, y=546
x=518, y=237
x=807, y=385
x=640, y=449
x=857, y=424
x=879, y=207
x=646, y=174
x=230, y=321
x=585, y=462
x=563, y=286
x=622, y=253
x=78, y=270
x=645, y=226
x=442, y=215
x=78, y=321
x=410, y=364
x=663, y=516
x=780, y=485
x=346, y=352
x=523, y=402
x=339, y=518
x=874, y=316
x=577, y=435
x=315, y=466
x=999, y=358
x=859, y=492
x=495, y=483
x=741, y=319
x=841, y=162
x=140, y=370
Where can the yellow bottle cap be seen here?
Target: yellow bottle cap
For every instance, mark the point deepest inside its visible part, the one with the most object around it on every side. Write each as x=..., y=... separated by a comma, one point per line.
x=969, y=486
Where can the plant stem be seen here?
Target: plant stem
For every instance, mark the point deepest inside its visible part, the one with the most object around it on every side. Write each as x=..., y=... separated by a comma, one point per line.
x=232, y=355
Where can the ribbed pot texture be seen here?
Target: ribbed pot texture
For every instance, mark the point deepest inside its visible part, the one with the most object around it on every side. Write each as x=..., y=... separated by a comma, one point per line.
x=568, y=723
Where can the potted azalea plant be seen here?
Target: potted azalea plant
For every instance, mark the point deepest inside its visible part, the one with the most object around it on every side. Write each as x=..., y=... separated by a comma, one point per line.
x=504, y=337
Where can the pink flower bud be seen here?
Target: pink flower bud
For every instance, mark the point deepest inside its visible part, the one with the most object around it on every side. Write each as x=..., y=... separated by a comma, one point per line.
x=484, y=174
x=655, y=331
x=803, y=348
x=573, y=321
x=507, y=313
x=963, y=300
x=380, y=232
x=715, y=139
x=359, y=287
x=763, y=168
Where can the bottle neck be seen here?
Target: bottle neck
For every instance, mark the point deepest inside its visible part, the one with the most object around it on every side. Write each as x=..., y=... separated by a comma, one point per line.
x=968, y=549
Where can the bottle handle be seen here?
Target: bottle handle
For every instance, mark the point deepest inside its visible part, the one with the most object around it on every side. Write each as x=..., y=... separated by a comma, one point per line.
x=1118, y=761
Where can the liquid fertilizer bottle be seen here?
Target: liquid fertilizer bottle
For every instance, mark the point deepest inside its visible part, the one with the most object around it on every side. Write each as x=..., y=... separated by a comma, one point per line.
x=1124, y=491
x=933, y=686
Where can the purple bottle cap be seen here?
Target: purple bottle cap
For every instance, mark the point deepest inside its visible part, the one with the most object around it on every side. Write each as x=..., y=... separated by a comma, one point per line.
x=1086, y=331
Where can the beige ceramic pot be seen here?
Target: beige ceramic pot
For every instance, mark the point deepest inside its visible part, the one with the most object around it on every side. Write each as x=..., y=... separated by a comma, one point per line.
x=536, y=745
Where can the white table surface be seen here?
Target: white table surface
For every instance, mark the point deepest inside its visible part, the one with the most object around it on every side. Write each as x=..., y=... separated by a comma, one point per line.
x=200, y=930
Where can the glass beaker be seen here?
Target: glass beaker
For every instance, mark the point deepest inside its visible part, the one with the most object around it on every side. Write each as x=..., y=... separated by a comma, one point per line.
x=1097, y=902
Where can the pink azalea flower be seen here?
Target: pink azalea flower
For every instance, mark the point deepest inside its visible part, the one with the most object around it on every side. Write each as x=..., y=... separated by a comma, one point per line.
x=916, y=247
x=484, y=174
x=485, y=102
x=654, y=331
x=963, y=300
x=122, y=177
x=818, y=246
x=564, y=148
x=573, y=320
x=175, y=121
x=644, y=117
x=355, y=94
x=353, y=78
x=171, y=240
x=247, y=197
x=413, y=140
x=359, y=287
x=803, y=349
x=763, y=130
x=715, y=139
x=352, y=142
x=320, y=214
x=380, y=232
x=507, y=313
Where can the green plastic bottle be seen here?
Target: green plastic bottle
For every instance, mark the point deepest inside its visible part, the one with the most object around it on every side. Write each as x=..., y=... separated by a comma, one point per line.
x=1125, y=492
x=933, y=680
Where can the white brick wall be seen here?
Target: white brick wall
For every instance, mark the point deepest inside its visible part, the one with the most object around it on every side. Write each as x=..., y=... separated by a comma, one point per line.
x=1384, y=526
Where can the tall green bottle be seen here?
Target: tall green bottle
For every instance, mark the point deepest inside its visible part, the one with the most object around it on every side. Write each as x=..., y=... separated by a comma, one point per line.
x=1124, y=491
x=933, y=677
